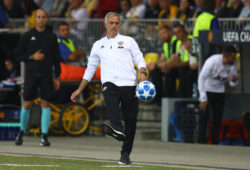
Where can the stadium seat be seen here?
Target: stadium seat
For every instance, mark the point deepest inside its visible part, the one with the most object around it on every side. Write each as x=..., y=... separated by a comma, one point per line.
x=151, y=57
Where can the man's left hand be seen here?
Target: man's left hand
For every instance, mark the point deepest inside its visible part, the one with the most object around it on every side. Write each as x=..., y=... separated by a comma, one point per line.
x=203, y=105
x=57, y=84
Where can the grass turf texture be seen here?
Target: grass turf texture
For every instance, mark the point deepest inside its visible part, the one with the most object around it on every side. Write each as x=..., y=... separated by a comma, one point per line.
x=40, y=163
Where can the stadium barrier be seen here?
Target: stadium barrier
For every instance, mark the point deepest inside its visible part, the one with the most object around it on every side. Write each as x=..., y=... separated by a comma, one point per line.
x=144, y=31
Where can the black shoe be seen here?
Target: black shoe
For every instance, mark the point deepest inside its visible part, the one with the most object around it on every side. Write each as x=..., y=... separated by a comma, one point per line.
x=44, y=140
x=109, y=130
x=124, y=159
x=19, y=138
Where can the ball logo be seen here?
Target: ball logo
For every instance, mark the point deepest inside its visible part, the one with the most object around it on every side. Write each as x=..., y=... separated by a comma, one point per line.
x=210, y=36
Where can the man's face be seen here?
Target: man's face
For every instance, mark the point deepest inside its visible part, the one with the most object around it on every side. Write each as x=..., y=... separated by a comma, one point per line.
x=124, y=5
x=164, y=35
x=76, y=2
x=153, y=3
x=184, y=4
x=165, y=4
x=64, y=31
x=8, y=3
x=231, y=58
x=179, y=33
x=247, y=3
x=41, y=18
x=113, y=26
x=9, y=65
x=135, y=2
x=188, y=45
x=199, y=3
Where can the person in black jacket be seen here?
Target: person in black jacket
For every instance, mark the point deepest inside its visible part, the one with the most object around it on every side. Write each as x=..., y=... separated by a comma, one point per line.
x=246, y=118
x=38, y=48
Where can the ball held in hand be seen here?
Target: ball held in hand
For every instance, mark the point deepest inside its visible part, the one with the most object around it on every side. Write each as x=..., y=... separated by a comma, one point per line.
x=145, y=91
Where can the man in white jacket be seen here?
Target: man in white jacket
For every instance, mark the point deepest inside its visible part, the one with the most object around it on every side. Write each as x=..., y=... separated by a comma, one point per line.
x=117, y=55
x=216, y=71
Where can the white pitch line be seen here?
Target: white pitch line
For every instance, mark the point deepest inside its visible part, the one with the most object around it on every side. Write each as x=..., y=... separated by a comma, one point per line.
x=121, y=166
x=27, y=165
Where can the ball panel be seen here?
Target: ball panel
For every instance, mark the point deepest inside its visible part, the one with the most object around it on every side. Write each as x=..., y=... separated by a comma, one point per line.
x=140, y=91
x=146, y=87
x=152, y=92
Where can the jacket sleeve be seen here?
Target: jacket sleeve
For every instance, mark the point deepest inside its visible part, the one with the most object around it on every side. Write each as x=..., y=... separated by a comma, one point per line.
x=137, y=54
x=56, y=57
x=93, y=62
x=20, y=52
x=205, y=71
x=234, y=71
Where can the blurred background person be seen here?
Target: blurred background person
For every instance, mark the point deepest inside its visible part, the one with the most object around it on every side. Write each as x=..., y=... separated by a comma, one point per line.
x=4, y=20
x=216, y=71
x=29, y=7
x=185, y=11
x=193, y=60
x=220, y=8
x=105, y=6
x=246, y=118
x=137, y=10
x=152, y=12
x=70, y=54
x=228, y=8
x=9, y=78
x=164, y=67
x=168, y=11
x=206, y=20
x=78, y=14
x=198, y=7
x=89, y=5
x=152, y=9
x=124, y=7
x=181, y=59
x=69, y=50
x=192, y=74
x=59, y=8
x=12, y=70
x=245, y=14
x=101, y=7
x=234, y=9
x=47, y=5
x=13, y=8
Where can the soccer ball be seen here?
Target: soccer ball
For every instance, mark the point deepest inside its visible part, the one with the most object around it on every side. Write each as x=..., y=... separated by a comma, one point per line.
x=145, y=91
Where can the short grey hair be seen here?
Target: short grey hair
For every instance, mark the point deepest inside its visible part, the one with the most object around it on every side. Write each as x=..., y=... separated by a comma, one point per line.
x=111, y=14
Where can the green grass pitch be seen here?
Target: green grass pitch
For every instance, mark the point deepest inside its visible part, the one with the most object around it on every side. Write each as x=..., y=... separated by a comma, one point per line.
x=41, y=163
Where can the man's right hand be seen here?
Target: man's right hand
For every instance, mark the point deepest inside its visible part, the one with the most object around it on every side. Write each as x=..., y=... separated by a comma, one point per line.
x=74, y=95
x=38, y=56
x=203, y=106
x=233, y=78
